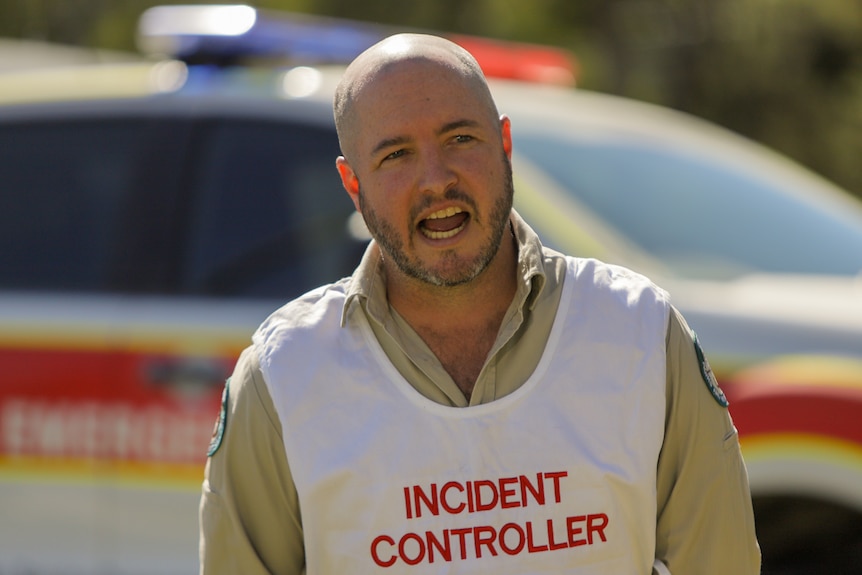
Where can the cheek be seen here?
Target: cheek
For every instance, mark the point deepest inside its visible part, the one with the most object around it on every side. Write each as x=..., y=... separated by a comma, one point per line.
x=388, y=191
x=398, y=180
x=480, y=167
x=379, y=203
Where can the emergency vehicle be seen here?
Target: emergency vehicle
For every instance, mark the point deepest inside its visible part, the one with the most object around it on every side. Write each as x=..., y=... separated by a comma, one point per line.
x=156, y=211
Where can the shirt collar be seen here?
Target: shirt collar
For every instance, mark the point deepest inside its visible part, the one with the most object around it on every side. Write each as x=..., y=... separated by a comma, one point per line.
x=367, y=287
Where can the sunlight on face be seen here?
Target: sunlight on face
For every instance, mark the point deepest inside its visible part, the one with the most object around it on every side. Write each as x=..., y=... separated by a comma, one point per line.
x=454, y=269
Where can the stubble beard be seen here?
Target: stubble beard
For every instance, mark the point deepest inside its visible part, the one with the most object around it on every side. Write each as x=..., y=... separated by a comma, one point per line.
x=457, y=270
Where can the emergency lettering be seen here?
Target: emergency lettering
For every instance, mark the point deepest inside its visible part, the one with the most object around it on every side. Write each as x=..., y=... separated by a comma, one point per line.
x=103, y=430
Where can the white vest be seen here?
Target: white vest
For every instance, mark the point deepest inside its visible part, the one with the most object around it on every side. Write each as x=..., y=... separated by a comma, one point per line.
x=557, y=477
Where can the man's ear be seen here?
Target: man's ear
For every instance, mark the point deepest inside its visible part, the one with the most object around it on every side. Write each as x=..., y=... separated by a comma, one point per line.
x=348, y=180
x=506, y=132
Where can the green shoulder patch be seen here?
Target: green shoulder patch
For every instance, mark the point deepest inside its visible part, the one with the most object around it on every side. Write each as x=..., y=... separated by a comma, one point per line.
x=218, y=430
x=708, y=376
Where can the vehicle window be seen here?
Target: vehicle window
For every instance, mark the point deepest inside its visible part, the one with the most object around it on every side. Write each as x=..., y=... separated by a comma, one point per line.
x=269, y=215
x=699, y=218
x=65, y=191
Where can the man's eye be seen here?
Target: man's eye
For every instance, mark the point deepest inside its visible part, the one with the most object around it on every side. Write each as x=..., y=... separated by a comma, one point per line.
x=463, y=138
x=394, y=155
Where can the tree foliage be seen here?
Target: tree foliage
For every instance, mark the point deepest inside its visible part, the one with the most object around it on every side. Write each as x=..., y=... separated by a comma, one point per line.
x=787, y=73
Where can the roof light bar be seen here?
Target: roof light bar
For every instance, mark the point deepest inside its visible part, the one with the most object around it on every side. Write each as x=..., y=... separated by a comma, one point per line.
x=228, y=33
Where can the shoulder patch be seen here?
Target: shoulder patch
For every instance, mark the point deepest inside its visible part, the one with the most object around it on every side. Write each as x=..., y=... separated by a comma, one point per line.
x=218, y=430
x=708, y=376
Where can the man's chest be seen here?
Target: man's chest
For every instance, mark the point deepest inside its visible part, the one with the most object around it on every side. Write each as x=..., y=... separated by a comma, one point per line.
x=462, y=353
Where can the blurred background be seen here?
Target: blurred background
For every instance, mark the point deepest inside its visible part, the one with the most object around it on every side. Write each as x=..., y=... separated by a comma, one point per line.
x=786, y=73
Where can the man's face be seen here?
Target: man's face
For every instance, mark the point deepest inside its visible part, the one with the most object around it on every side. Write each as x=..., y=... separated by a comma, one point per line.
x=430, y=173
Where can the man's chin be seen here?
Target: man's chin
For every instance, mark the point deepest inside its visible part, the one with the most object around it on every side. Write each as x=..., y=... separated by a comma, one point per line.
x=453, y=273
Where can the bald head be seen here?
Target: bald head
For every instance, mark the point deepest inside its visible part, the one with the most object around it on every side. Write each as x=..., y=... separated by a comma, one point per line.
x=386, y=57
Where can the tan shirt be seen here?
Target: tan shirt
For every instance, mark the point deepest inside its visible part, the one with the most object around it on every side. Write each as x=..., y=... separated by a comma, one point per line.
x=250, y=516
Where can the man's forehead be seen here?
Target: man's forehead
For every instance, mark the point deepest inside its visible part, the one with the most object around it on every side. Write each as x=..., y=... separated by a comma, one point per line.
x=416, y=79
x=415, y=68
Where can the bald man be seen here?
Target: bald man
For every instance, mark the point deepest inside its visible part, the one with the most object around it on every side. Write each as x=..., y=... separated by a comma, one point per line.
x=468, y=401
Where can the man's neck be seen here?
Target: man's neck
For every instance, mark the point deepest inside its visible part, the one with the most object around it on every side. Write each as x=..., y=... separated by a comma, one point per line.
x=460, y=324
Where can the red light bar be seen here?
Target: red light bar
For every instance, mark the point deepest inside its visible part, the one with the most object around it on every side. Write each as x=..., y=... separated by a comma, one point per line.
x=520, y=61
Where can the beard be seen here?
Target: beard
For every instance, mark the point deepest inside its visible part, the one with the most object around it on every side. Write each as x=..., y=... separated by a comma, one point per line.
x=454, y=269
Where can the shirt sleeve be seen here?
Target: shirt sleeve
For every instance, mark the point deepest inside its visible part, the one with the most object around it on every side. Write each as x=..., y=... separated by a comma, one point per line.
x=705, y=521
x=249, y=511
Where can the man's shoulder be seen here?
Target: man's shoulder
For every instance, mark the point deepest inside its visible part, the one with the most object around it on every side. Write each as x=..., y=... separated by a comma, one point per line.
x=588, y=266
x=615, y=279
x=319, y=306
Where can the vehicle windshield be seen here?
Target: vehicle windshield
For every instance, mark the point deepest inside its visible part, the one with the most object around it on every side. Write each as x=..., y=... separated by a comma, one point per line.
x=699, y=218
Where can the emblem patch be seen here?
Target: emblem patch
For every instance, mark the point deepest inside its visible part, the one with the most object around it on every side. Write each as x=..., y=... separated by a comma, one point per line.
x=708, y=376
x=218, y=430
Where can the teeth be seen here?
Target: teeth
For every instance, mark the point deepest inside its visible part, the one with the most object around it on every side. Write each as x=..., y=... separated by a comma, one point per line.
x=448, y=212
x=445, y=213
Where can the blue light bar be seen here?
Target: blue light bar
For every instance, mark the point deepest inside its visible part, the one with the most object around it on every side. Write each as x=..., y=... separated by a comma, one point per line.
x=226, y=32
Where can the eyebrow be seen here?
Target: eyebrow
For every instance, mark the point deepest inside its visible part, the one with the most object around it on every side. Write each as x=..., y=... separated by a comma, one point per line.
x=389, y=143
x=457, y=125
x=399, y=140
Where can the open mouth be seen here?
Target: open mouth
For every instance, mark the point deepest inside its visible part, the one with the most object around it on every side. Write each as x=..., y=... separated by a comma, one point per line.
x=444, y=224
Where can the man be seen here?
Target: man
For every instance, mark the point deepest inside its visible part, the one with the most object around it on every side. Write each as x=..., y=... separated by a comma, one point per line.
x=468, y=401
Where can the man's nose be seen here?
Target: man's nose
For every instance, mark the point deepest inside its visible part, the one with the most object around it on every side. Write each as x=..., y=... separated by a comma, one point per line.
x=437, y=173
